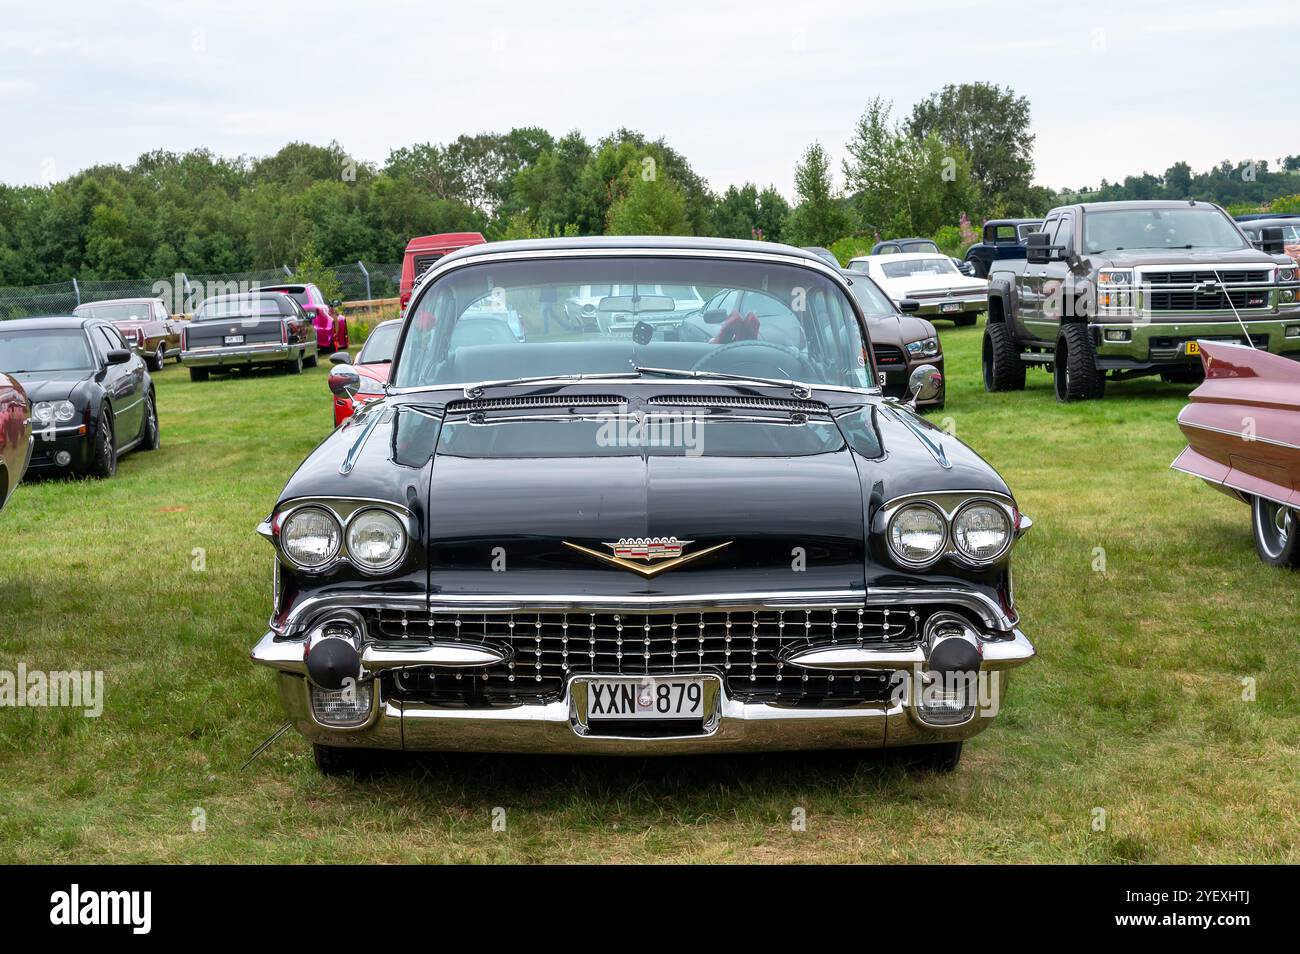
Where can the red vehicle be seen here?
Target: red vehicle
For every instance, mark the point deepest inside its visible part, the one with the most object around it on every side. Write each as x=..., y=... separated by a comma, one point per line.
x=331, y=327
x=144, y=322
x=422, y=251
x=1243, y=429
x=355, y=384
x=15, y=436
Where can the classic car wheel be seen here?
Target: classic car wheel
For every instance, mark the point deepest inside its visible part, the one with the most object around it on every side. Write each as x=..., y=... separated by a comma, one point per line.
x=937, y=757
x=965, y=321
x=152, y=437
x=1076, y=375
x=158, y=358
x=309, y=361
x=332, y=760
x=1277, y=533
x=294, y=364
x=198, y=374
x=103, y=463
x=1003, y=369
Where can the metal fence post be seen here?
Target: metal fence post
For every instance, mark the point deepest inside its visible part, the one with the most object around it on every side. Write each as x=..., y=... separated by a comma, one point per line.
x=367, y=275
x=287, y=272
x=76, y=290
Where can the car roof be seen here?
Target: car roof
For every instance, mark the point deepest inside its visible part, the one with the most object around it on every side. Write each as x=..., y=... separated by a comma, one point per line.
x=899, y=257
x=49, y=321
x=910, y=238
x=1267, y=216
x=293, y=287
x=1140, y=204
x=652, y=242
x=431, y=243
x=1011, y=222
x=117, y=301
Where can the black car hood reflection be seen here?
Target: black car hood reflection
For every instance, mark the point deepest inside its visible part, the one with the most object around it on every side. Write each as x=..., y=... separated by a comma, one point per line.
x=499, y=524
x=51, y=385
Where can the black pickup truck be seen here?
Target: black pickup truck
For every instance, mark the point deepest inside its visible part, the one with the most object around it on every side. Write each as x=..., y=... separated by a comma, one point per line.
x=244, y=331
x=1125, y=289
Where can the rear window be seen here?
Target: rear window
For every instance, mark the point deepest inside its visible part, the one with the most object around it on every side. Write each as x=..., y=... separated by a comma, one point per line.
x=300, y=295
x=918, y=266
x=118, y=311
x=216, y=309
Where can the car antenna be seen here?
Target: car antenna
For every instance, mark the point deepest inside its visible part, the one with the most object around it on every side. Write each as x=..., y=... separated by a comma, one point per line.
x=1228, y=295
x=267, y=743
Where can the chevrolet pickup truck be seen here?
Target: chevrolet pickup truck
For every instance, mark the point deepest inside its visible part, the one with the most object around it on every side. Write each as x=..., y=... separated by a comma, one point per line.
x=1118, y=290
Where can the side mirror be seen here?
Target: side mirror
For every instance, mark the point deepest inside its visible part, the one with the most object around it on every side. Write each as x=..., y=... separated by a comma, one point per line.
x=924, y=384
x=119, y=356
x=1037, y=251
x=909, y=305
x=714, y=316
x=336, y=302
x=344, y=381
x=340, y=357
x=1271, y=241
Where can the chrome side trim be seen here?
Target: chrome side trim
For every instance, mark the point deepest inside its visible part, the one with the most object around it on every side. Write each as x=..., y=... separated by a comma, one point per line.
x=1231, y=433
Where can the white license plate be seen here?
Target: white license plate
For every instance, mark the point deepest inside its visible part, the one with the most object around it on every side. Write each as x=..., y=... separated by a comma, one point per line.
x=648, y=698
x=234, y=339
x=948, y=306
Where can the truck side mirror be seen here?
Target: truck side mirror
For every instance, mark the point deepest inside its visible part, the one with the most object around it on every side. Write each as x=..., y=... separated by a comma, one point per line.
x=1271, y=241
x=1037, y=251
x=909, y=305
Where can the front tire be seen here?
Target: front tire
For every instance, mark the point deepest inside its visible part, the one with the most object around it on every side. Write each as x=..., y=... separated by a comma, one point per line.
x=1002, y=367
x=938, y=757
x=103, y=460
x=1277, y=533
x=333, y=761
x=1075, y=373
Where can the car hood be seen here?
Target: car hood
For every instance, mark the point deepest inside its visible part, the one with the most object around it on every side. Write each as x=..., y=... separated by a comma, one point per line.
x=1137, y=257
x=548, y=524
x=50, y=385
x=898, y=329
x=954, y=283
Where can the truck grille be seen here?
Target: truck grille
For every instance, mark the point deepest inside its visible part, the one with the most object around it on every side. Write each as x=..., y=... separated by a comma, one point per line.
x=1199, y=290
x=745, y=648
x=887, y=356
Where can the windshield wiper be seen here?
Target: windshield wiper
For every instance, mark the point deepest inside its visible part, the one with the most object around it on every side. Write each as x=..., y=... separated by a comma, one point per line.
x=800, y=390
x=475, y=391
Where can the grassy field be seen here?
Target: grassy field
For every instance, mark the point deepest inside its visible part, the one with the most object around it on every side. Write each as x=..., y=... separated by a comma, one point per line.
x=1134, y=708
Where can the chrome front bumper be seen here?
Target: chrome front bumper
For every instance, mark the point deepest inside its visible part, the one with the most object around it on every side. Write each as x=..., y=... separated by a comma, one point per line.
x=558, y=727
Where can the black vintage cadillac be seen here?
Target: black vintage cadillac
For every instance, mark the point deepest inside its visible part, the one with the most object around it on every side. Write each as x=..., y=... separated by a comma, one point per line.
x=640, y=544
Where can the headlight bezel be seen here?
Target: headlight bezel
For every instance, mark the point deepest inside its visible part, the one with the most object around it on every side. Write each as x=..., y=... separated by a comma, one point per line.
x=956, y=537
x=928, y=347
x=949, y=504
x=356, y=560
x=344, y=512
x=282, y=534
x=61, y=411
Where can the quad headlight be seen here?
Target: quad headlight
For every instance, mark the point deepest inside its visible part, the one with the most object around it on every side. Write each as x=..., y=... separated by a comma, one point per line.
x=981, y=531
x=917, y=534
x=376, y=539
x=310, y=537
x=51, y=412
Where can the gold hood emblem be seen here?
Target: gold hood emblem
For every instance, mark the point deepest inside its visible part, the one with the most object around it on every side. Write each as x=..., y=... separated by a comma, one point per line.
x=639, y=554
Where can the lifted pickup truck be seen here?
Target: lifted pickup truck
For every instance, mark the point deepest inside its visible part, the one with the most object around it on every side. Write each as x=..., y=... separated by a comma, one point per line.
x=1127, y=289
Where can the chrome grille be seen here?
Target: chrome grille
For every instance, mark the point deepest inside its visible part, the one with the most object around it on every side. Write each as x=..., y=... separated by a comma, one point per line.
x=745, y=647
x=1199, y=290
x=735, y=400
x=538, y=400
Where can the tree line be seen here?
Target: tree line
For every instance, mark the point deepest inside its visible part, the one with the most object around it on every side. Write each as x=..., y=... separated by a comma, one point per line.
x=959, y=156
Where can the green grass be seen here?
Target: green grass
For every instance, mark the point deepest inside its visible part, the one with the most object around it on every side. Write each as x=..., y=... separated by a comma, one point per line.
x=1134, y=705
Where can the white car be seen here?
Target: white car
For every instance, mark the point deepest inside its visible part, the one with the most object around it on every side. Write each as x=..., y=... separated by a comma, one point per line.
x=584, y=304
x=931, y=281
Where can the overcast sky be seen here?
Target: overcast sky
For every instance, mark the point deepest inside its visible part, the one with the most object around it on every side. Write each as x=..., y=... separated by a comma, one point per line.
x=739, y=88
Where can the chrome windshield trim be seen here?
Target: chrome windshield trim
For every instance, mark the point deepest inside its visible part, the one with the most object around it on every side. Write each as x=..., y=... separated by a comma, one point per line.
x=461, y=386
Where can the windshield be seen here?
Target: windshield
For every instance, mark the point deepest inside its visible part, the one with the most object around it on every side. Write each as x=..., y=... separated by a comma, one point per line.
x=119, y=311
x=1199, y=227
x=919, y=247
x=870, y=298
x=56, y=349
x=381, y=344
x=757, y=319
x=215, y=308
x=919, y=266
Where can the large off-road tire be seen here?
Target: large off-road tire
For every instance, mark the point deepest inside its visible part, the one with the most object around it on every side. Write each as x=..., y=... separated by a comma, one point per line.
x=939, y=757
x=103, y=455
x=1075, y=372
x=965, y=320
x=1277, y=533
x=333, y=760
x=1003, y=369
x=198, y=374
x=151, y=437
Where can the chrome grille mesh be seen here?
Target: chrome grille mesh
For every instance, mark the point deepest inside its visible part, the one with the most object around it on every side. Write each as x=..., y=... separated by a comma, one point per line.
x=745, y=647
x=537, y=400
x=735, y=400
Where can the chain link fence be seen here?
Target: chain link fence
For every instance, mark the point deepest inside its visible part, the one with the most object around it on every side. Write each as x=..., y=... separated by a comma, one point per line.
x=359, y=281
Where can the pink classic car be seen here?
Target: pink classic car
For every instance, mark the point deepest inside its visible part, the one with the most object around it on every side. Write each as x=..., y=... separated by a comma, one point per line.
x=1243, y=429
x=331, y=326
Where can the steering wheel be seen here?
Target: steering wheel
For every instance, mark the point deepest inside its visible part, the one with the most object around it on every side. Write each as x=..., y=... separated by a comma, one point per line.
x=763, y=359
